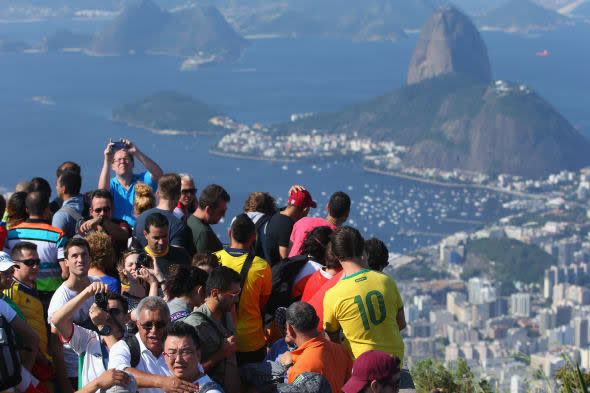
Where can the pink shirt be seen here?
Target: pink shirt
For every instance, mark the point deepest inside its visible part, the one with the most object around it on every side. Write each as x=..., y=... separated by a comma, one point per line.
x=300, y=230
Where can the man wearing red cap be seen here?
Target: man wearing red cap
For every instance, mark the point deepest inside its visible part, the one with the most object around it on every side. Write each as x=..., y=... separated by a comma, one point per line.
x=278, y=230
x=374, y=372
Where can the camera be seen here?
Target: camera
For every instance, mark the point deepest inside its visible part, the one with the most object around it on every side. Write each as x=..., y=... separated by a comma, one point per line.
x=101, y=301
x=119, y=145
x=142, y=261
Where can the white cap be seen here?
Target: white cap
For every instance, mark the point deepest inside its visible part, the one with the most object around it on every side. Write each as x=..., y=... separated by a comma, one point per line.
x=6, y=262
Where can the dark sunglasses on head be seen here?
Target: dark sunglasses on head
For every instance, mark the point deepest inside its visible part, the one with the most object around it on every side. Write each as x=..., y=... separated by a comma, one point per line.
x=159, y=325
x=99, y=210
x=189, y=191
x=29, y=262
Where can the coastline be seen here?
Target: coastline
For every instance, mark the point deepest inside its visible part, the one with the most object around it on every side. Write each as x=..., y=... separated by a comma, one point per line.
x=450, y=185
x=165, y=132
x=244, y=157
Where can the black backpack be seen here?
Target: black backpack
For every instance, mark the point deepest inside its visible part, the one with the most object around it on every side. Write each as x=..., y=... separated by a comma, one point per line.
x=258, y=249
x=133, y=345
x=10, y=373
x=283, y=275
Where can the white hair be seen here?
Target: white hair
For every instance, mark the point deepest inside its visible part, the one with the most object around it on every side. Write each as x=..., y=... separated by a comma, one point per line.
x=152, y=303
x=186, y=176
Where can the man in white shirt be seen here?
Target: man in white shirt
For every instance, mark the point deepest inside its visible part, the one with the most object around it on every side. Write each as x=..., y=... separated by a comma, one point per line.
x=150, y=371
x=183, y=357
x=77, y=259
x=86, y=342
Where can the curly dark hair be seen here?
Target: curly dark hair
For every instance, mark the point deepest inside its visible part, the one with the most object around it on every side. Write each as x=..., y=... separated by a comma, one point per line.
x=315, y=243
x=261, y=202
x=184, y=279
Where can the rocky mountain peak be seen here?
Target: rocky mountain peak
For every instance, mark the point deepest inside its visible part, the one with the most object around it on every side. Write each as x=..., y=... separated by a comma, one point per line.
x=449, y=43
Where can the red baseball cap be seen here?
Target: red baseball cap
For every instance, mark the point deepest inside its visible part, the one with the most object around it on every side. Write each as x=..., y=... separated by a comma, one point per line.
x=301, y=199
x=370, y=366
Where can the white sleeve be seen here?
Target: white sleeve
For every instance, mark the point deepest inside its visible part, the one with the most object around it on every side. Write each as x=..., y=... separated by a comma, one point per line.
x=55, y=304
x=7, y=311
x=120, y=356
x=80, y=339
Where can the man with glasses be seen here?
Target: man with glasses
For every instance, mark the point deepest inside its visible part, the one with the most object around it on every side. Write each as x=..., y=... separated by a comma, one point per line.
x=88, y=343
x=168, y=196
x=120, y=156
x=182, y=351
x=188, y=198
x=150, y=370
x=101, y=219
x=22, y=291
x=214, y=326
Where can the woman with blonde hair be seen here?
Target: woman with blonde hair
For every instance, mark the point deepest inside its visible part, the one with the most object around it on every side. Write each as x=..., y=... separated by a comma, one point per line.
x=144, y=198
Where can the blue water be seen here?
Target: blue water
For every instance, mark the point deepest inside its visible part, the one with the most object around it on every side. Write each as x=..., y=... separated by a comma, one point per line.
x=273, y=79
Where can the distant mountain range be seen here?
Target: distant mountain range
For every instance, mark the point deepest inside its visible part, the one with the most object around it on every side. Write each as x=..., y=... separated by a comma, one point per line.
x=146, y=28
x=520, y=15
x=453, y=116
x=199, y=33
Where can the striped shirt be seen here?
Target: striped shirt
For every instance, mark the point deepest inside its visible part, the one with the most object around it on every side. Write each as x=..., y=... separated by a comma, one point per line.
x=50, y=243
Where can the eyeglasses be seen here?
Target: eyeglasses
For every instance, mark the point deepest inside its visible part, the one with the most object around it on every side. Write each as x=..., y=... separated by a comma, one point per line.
x=183, y=353
x=189, y=191
x=29, y=262
x=99, y=210
x=158, y=325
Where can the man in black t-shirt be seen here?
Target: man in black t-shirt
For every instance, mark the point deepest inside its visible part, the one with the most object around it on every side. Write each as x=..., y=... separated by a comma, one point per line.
x=168, y=195
x=280, y=225
x=156, y=234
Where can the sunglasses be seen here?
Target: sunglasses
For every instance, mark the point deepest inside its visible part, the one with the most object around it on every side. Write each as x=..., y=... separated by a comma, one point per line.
x=189, y=191
x=99, y=210
x=29, y=262
x=158, y=325
x=115, y=311
x=234, y=296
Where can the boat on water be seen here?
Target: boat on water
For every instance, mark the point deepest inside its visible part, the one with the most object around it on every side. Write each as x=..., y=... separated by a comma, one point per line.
x=543, y=53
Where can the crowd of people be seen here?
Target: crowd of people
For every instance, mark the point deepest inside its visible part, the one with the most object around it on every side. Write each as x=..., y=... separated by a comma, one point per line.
x=127, y=288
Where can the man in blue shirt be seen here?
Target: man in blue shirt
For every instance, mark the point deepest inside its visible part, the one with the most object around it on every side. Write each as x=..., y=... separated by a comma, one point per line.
x=122, y=186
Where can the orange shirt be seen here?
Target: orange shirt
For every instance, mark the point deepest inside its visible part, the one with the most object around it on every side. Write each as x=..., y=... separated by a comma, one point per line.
x=321, y=356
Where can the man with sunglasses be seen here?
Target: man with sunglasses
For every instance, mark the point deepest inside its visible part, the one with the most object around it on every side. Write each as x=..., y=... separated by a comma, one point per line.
x=89, y=343
x=23, y=292
x=215, y=329
x=101, y=219
x=188, y=198
x=150, y=371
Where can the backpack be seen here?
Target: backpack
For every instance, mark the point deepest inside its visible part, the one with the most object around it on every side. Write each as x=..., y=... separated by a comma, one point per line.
x=133, y=345
x=10, y=365
x=283, y=275
x=258, y=249
x=210, y=386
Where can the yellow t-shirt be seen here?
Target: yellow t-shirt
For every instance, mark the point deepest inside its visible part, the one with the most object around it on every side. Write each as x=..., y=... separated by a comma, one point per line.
x=365, y=306
x=255, y=293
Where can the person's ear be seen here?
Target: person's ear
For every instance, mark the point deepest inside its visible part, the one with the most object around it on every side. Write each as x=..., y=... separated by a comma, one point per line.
x=145, y=233
x=290, y=331
x=229, y=233
x=327, y=209
x=374, y=386
x=158, y=194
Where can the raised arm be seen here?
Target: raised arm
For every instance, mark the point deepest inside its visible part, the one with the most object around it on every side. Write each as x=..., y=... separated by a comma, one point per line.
x=153, y=168
x=62, y=318
x=105, y=173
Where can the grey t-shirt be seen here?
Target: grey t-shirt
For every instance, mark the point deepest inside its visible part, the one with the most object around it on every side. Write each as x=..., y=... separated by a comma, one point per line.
x=178, y=309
